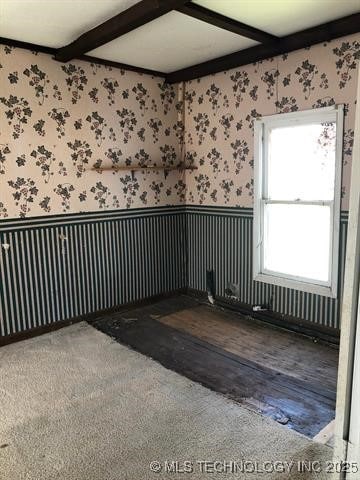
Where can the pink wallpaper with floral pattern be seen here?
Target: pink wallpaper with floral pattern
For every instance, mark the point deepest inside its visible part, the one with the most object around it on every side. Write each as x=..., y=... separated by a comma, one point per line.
x=58, y=120
x=221, y=108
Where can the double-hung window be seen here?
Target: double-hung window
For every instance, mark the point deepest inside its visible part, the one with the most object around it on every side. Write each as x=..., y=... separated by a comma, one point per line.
x=297, y=199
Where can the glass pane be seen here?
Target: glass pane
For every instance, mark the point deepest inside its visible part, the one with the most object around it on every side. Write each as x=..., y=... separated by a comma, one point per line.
x=301, y=162
x=297, y=240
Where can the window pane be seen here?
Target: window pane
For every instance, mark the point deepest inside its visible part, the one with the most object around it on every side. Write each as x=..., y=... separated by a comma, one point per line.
x=297, y=240
x=301, y=162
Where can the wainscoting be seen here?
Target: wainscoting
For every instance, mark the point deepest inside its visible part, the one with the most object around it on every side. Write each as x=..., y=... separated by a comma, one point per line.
x=220, y=239
x=61, y=267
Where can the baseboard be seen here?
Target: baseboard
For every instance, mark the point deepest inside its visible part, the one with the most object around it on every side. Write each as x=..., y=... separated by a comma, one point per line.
x=326, y=334
x=304, y=327
x=89, y=317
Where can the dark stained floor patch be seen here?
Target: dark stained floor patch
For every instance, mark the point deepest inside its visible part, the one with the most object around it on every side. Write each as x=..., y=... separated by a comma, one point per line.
x=305, y=406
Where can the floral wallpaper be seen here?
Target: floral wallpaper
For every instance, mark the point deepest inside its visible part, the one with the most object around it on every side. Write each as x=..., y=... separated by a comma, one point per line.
x=220, y=110
x=60, y=120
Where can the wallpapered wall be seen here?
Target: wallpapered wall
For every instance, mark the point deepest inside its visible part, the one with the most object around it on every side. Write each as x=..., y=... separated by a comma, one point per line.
x=58, y=120
x=221, y=108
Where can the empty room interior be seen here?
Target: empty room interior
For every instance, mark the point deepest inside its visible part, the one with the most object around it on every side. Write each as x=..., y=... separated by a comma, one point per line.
x=178, y=267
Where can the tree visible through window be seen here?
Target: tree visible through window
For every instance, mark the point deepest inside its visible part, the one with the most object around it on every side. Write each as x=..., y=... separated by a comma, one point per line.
x=297, y=199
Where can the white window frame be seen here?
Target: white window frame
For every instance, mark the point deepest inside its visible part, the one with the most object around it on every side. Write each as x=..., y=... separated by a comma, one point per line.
x=262, y=127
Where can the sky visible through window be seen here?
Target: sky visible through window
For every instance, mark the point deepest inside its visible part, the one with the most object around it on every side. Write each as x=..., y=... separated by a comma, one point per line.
x=301, y=167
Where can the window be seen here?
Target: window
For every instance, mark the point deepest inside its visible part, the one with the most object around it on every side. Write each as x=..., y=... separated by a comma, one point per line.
x=297, y=199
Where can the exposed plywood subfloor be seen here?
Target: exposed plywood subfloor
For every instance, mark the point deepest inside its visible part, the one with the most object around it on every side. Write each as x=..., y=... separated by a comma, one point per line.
x=283, y=351
x=281, y=374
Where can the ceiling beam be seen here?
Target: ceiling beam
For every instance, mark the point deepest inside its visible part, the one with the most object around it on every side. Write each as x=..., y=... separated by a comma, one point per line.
x=226, y=23
x=85, y=58
x=305, y=38
x=139, y=14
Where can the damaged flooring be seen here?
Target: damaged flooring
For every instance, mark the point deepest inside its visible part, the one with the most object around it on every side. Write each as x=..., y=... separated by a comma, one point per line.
x=283, y=375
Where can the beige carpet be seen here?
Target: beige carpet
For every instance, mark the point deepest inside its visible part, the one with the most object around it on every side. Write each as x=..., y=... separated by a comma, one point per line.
x=76, y=405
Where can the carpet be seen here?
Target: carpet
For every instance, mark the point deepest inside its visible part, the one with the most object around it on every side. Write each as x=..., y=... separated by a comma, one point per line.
x=76, y=405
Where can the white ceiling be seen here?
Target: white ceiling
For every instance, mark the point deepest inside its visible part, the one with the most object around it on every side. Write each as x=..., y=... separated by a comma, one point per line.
x=171, y=42
x=55, y=23
x=168, y=43
x=281, y=17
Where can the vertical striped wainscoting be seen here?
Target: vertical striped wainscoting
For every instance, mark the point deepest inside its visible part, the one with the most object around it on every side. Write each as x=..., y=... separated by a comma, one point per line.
x=220, y=239
x=56, y=268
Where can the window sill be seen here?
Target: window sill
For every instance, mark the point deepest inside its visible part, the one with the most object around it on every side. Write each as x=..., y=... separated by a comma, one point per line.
x=314, y=288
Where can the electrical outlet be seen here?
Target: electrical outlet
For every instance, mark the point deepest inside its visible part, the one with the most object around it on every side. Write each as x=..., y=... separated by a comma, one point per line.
x=233, y=290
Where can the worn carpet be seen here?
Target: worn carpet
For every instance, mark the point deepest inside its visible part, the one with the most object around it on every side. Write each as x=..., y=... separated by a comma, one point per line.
x=75, y=405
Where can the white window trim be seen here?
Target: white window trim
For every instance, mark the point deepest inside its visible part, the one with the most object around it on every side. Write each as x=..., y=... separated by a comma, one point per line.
x=261, y=127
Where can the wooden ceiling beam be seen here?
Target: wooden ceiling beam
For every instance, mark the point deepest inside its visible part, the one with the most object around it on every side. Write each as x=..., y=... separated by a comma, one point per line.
x=139, y=14
x=221, y=21
x=305, y=38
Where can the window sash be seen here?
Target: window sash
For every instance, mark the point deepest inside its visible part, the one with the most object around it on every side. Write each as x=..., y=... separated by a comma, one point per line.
x=261, y=131
x=266, y=271
x=321, y=203
x=276, y=123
